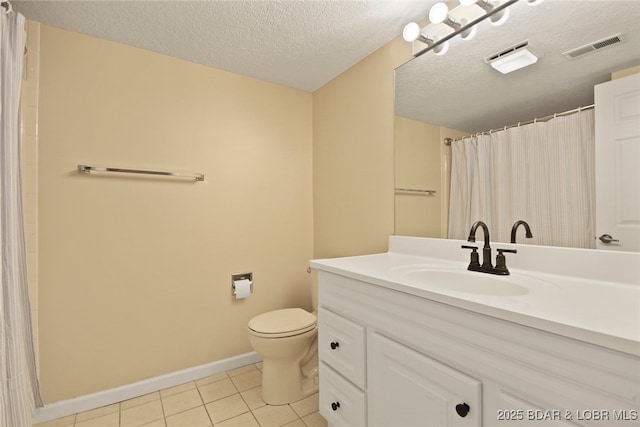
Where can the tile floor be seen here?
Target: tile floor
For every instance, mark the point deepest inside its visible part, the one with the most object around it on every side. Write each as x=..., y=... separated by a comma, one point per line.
x=228, y=399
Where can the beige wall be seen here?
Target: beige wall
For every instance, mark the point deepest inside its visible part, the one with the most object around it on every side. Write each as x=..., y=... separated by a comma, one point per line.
x=422, y=161
x=626, y=72
x=135, y=272
x=353, y=149
x=417, y=167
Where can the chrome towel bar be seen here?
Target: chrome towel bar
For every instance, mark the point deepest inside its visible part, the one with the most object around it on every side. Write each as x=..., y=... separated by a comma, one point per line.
x=87, y=169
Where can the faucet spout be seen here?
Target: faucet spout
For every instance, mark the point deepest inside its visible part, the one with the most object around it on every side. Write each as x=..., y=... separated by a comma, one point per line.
x=527, y=230
x=487, y=266
x=485, y=230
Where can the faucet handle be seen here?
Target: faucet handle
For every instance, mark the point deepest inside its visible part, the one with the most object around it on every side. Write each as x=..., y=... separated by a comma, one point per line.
x=501, y=261
x=474, y=264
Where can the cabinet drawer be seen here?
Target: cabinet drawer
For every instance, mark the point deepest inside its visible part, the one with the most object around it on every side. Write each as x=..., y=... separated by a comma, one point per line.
x=341, y=345
x=341, y=403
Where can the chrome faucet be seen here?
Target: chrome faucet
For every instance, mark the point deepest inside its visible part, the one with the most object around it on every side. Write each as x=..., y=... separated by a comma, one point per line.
x=487, y=266
x=527, y=230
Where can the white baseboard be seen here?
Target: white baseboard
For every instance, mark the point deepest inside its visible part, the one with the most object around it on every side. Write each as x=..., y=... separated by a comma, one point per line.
x=87, y=402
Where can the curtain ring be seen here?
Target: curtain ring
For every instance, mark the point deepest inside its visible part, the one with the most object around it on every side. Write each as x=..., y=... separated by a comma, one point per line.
x=8, y=8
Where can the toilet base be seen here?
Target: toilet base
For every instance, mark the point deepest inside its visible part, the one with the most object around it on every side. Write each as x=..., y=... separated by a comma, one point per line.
x=282, y=385
x=309, y=387
x=289, y=365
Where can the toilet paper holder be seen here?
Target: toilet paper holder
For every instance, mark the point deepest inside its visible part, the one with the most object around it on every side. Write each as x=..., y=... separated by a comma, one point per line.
x=241, y=276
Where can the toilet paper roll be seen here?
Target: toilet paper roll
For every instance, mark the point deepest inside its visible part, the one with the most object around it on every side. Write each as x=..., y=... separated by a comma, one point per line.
x=242, y=288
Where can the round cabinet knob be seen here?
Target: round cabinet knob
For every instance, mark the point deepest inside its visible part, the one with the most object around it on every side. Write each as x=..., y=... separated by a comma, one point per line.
x=335, y=405
x=335, y=345
x=462, y=409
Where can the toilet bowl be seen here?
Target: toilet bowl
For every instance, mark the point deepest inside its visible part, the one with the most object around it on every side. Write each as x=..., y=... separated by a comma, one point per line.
x=287, y=342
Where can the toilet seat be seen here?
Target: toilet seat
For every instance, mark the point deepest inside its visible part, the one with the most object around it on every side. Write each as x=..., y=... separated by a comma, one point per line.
x=282, y=323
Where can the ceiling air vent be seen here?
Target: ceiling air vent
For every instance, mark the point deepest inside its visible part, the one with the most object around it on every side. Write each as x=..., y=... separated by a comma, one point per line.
x=594, y=46
x=506, y=51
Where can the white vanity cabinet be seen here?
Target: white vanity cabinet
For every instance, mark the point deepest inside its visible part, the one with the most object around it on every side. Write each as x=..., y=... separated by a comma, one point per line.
x=342, y=369
x=393, y=359
x=407, y=388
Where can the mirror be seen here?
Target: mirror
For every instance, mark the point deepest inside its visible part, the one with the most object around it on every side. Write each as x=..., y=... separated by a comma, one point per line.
x=459, y=94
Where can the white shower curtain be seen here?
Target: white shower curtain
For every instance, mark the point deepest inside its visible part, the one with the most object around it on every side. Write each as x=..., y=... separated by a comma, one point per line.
x=542, y=173
x=19, y=392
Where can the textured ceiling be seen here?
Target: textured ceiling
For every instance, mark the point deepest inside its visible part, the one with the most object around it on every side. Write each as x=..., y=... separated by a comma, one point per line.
x=297, y=43
x=305, y=43
x=461, y=91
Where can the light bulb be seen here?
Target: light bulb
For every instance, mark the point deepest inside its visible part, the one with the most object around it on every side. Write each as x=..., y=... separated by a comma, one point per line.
x=438, y=12
x=468, y=2
x=500, y=17
x=441, y=49
x=411, y=32
x=470, y=33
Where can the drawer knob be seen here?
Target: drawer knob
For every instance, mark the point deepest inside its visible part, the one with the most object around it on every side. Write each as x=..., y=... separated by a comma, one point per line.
x=335, y=345
x=462, y=409
x=335, y=405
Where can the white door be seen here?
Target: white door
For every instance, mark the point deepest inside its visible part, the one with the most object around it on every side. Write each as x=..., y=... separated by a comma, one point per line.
x=617, y=121
x=408, y=389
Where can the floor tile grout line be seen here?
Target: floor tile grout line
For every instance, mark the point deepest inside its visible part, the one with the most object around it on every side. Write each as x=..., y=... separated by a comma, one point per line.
x=164, y=415
x=204, y=405
x=254, y=417
x=197, y=387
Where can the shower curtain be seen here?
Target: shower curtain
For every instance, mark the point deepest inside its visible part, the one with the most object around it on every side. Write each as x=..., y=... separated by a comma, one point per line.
x=19, y=392
x=542, y=173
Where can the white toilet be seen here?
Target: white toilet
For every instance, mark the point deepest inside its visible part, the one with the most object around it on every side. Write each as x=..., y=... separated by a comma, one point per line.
x=287, y=341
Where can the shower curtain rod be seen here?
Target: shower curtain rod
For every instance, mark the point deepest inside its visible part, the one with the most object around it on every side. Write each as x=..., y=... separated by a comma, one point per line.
x=448, y=141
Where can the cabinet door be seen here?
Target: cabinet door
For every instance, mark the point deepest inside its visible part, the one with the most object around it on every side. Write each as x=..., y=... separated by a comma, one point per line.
x=407, y=388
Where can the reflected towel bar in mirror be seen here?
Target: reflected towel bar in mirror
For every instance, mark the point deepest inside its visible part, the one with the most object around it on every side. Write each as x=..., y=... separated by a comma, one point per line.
x=88, y=169
x=416, y=191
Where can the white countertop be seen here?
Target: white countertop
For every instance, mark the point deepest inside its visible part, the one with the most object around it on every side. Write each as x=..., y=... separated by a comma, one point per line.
x=565, y=291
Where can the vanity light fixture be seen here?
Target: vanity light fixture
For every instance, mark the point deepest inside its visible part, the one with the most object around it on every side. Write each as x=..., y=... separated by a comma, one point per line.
x=412, y=33
x=465, y=26
x=439, y=13
x=513, y=58
x=488, y=6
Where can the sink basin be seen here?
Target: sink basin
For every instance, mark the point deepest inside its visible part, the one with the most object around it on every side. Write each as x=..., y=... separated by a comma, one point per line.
x=470, y=282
